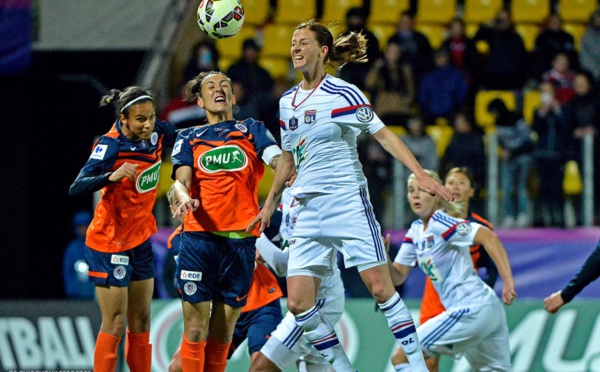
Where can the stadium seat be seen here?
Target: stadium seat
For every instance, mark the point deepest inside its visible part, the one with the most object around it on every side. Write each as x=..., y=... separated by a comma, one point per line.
x=576, y=30
x=295, y=11
x=441, y=135
x=482, y=98
x=471, y=29
x=529, y=11
x=435, y=33
x=481, y=11
x=226, y=62
x=256, y=12
x=531, y=101
x=383, y=32
x=529, y=33
x=436, y=11
x=231, y=47
x=278, y=67
x=576, y=10
x=572, y=183
x=387, y=11
x=277, y=40
x=335, y=10
x=398, y=130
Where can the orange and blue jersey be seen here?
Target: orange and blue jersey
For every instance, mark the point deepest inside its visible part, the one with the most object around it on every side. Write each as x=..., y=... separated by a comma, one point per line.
x=123, y=218
x=264, y=289
x=227, y=166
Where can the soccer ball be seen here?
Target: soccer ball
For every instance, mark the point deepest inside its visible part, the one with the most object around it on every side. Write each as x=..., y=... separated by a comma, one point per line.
x=220, y=18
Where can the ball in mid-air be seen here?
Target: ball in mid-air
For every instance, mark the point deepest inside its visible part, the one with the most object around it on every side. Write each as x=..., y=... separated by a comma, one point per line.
x=220, y=18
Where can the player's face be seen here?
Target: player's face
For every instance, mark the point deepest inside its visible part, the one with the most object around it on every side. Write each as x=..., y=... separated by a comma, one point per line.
x=140, y=120
x=421, y=202
x=460, y=187
x=217, y=97
x=305, y=50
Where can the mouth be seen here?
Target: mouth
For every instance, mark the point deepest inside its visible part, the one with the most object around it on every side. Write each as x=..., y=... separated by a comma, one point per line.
x=220, y=99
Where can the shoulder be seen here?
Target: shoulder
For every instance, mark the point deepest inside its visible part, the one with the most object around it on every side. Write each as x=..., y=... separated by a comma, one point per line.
x=334, y=84
x=289, y=92
x=443, y=220
x=474, y=217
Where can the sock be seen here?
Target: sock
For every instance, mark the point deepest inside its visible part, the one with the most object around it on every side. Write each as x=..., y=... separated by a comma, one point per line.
x=319, y=331
x=105, y=353
x=215, y=359
x=404, y=367
x=138, y=352
x=192, y=355
x=402, y=326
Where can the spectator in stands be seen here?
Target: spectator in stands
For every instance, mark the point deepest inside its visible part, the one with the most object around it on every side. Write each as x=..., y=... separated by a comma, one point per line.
x=416, y=49
x=421, y=144
x=551, y=154
x=466, y=149
x=354, y=73
x=443, y=90
x=561, y=77
x=75, y=267
x=514, y=136
x=244, y=107
x=589, y=54
x=551, y=41
x=392, y=85
x=181, y=113
x=504, y=65
x=205, y=57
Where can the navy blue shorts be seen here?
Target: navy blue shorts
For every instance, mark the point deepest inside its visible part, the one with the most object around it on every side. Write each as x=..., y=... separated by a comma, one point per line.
x=257, y=325
x=118, y=269
x=214, y=268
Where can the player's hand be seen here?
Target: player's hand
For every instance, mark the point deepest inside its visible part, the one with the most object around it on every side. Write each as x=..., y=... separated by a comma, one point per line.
x=185, y=207
x=508, y=294
x=263, y=218
x=292, y=179
x=127, y=170
x=433, y=187
x=554, y=302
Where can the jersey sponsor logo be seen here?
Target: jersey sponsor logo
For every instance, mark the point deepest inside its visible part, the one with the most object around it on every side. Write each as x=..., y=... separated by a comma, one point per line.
x=148, y=179
x=177, y=147
x=463, y=228
x=310, y=117
x=229, y=158
x=132, y=148
x=154, y=138
x=116, y=259
x=191, y=275
x=99, y=152
x=299, y=151
x=190, y=288
x=242, y=128
x=238, y=298
x=119, y=272
x=293, y=124
x=364, y=114
x=428, y=266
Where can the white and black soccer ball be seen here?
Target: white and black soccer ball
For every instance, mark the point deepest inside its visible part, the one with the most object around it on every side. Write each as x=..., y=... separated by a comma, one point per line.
x=220, y=18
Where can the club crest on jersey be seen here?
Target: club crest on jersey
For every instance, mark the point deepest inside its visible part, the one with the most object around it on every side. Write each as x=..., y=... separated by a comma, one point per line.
x=310, y=117
x=99, y=152
x=190, y=288
x=242, y=128
x=463, y=228
x=293, y=124
x=119, y=272
x=364, y=114
x=154, y=138
x=430, y=241
x=229, y=158
x=148, y=179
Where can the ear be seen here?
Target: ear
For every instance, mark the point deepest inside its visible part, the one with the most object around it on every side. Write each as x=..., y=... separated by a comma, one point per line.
x=123, y=118
x=233, y=99
x=324, y=50
x=471, y=192
x=200, y=102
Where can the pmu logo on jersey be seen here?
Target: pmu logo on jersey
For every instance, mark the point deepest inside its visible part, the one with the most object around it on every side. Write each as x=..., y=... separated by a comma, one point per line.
x=293, y=124
x=310, y=117
x=229, y=158
x=116, y=259
x=195, y=276
x=148, y=179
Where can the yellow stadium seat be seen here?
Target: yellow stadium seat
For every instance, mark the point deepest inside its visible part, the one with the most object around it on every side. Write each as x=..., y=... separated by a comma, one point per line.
x=471, y=29
x=435, y=33
x=164, y=180
x=278, y=67
x=483, y=98
x=528, y=33
x=398, y=130
x=387, y=11
x=572, y=183
x=335, y=10
x=576, y=10
x=383, y=32
x=256, y=12
x=277, y=40
x=531, y=101
x=481, y=11
x=529, y=11
x=226, y=62
x=264, y=185
x=441, y=135
x=436, y=11
x=231, y=47
x=295, y=11
x=576, y=30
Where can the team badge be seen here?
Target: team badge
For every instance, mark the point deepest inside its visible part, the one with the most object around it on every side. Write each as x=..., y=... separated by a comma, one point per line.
x=190, y=288
x=310, y=117
x=293, y=124
x=154, y=138
x=430, y=241
x=364, y=114
x=119, y=272
x=242, y=128
x=463, y=228
x=99, y=152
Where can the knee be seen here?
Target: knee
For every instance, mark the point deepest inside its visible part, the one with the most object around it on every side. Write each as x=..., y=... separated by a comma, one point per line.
x=262, y=364
x=297, y=306
x=139, y=323
x=115, y=325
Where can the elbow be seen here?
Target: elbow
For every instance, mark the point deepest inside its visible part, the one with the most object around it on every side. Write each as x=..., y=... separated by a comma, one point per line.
x=280, y=270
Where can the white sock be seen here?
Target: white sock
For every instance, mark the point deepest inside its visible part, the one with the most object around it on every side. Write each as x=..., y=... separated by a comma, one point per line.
x=319, y=331
x=404, y=367
x=402, y=326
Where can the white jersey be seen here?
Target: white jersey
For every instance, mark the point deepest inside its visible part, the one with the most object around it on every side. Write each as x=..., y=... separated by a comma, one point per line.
x=442, y=252
x=319, y=127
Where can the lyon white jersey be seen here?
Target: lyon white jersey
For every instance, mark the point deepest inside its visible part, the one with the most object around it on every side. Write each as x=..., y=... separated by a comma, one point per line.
x=319, y=127
x=442, y=252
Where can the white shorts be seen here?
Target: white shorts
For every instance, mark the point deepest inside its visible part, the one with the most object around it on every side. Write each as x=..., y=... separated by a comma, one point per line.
x=325, y=223
x=480, y=333
x=287, y=343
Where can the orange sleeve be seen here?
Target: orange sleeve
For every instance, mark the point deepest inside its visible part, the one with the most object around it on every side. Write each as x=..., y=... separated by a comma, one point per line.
x=430, y=305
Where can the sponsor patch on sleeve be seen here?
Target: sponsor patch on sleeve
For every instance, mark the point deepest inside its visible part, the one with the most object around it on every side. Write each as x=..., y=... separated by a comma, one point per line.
x=177, y=147
x=99, y=152
x=463, y=228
